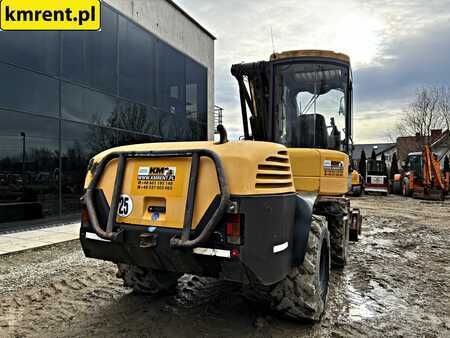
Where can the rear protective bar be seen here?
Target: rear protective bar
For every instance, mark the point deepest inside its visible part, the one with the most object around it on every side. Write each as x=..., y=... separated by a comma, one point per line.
x=184, y=241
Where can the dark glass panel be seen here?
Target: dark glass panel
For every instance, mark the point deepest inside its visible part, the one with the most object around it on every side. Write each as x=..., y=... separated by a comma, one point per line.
x=81, y=142
x=36, y=50
x=28, y=91
x=136, y=63
x=132, y=116
x=84, y=105
x=91, y=57
x=196, y=91
x=28, y=166
x=171, y=80
x=77, y=148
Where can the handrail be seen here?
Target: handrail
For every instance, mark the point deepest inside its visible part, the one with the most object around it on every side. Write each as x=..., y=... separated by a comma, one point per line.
x=184, y=241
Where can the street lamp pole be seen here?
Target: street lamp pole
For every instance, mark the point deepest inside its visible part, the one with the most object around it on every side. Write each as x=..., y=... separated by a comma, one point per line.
x=23, y=151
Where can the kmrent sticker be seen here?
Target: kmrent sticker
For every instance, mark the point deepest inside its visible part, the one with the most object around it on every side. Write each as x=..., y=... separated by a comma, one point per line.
x=50, y=15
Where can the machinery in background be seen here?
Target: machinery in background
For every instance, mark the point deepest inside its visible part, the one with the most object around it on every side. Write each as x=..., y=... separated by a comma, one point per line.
x=356, y=184
x=376, y=177
x=422, y=177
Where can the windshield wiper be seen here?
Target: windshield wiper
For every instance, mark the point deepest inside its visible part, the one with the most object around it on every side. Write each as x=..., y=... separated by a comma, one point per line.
x=310, y=103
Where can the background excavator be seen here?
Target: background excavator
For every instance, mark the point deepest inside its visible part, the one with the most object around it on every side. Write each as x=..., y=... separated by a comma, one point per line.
x=422, y=177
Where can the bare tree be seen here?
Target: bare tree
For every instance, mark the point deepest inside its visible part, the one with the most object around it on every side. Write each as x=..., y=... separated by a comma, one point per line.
x=423, y=114
x=444, y=105
x=444, y=109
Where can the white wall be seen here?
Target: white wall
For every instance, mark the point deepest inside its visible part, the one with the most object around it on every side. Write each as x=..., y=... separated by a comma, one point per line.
x=169, y=24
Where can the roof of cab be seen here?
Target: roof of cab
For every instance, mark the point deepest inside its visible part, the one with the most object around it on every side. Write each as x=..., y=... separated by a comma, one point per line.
x=310, y=53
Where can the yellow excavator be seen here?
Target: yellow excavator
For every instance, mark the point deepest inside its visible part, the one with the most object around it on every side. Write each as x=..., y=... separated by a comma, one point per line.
x=268, y=212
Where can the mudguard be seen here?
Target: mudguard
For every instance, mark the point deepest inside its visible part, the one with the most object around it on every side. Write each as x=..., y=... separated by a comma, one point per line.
x=304, y=207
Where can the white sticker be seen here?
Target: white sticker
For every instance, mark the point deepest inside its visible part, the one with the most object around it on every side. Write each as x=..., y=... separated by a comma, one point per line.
x=143, y=171
x=280, y=247
x=125, y=206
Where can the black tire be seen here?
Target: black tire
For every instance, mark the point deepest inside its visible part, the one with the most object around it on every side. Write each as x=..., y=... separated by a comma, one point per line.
x=303, y=293
x=339, y=237
x=147, y=281
x=406, y=191
x=397, y=188
x=195, y=290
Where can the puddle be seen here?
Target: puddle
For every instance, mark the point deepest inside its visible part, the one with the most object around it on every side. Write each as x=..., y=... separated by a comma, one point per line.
x=381, y=230
x=359, y=307
x=379, y=242
x=371, y=300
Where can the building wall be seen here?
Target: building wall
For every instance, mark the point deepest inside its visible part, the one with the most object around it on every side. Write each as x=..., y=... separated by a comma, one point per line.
x=167, y=22
x=66, y=96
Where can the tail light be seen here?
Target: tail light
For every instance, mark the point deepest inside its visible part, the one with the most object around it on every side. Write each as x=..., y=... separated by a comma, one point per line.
x=234, y=224
x=84, y=217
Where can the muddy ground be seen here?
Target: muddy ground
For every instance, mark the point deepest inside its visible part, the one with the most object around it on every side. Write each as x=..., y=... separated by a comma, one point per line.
x=397, y=284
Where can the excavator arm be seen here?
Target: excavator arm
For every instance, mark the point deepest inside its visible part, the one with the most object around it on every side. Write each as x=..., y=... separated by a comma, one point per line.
x=431, y=169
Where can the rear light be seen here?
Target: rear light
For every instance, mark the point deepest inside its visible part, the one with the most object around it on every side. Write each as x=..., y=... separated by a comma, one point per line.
x=84, y=217
x=233, y=228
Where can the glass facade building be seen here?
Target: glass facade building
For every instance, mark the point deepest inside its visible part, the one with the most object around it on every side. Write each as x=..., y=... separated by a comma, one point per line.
x=65, y=96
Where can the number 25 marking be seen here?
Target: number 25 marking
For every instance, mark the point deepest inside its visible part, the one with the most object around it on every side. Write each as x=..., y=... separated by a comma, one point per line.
x=125, y=206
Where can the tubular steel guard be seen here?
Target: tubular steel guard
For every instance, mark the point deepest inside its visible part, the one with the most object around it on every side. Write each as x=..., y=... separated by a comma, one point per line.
x=184, y=241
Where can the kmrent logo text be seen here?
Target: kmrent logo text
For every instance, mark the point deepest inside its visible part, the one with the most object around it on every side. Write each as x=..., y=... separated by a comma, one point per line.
x=50, y=15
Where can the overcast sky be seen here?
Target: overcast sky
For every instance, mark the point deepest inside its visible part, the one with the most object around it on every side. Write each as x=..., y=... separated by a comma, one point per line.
x=395, y=46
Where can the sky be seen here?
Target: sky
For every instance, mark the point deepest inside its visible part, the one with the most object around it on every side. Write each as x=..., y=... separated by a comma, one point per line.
x=395, y=47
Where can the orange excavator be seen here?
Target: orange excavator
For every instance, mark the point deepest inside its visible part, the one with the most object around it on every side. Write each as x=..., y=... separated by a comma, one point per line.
x=422, y=176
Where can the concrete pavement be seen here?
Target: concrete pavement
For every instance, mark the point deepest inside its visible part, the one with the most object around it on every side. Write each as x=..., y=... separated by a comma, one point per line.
x=24, y=240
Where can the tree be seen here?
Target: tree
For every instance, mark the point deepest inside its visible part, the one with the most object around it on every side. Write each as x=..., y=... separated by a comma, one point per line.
x=373, y=156
x=444, y=108
x=383, y=159
x=362, y=164
x=444, y=105
x=423, y=114
x=394, y=166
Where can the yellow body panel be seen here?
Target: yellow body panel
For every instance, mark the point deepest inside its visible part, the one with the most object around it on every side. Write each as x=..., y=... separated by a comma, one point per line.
x=310, y=53
x=251, y=168
x=319, y=170
x=355, y=178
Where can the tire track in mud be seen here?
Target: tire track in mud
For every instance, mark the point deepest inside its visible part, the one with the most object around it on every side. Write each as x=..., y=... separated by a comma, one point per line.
x=59, y=302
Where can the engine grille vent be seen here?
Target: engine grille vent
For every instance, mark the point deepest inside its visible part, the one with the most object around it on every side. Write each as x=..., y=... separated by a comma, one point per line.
x=275, y=172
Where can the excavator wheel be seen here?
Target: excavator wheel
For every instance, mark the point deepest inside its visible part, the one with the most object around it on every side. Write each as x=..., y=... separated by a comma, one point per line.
x=397, y=188
x=406, y=190
x=339, y=236
x=147, y=281
x=303, y=293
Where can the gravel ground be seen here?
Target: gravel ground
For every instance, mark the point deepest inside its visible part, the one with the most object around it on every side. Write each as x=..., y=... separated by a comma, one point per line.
x=397, y=284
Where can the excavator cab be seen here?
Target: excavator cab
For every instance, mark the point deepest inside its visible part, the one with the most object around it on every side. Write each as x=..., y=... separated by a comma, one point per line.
x=301, y=99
